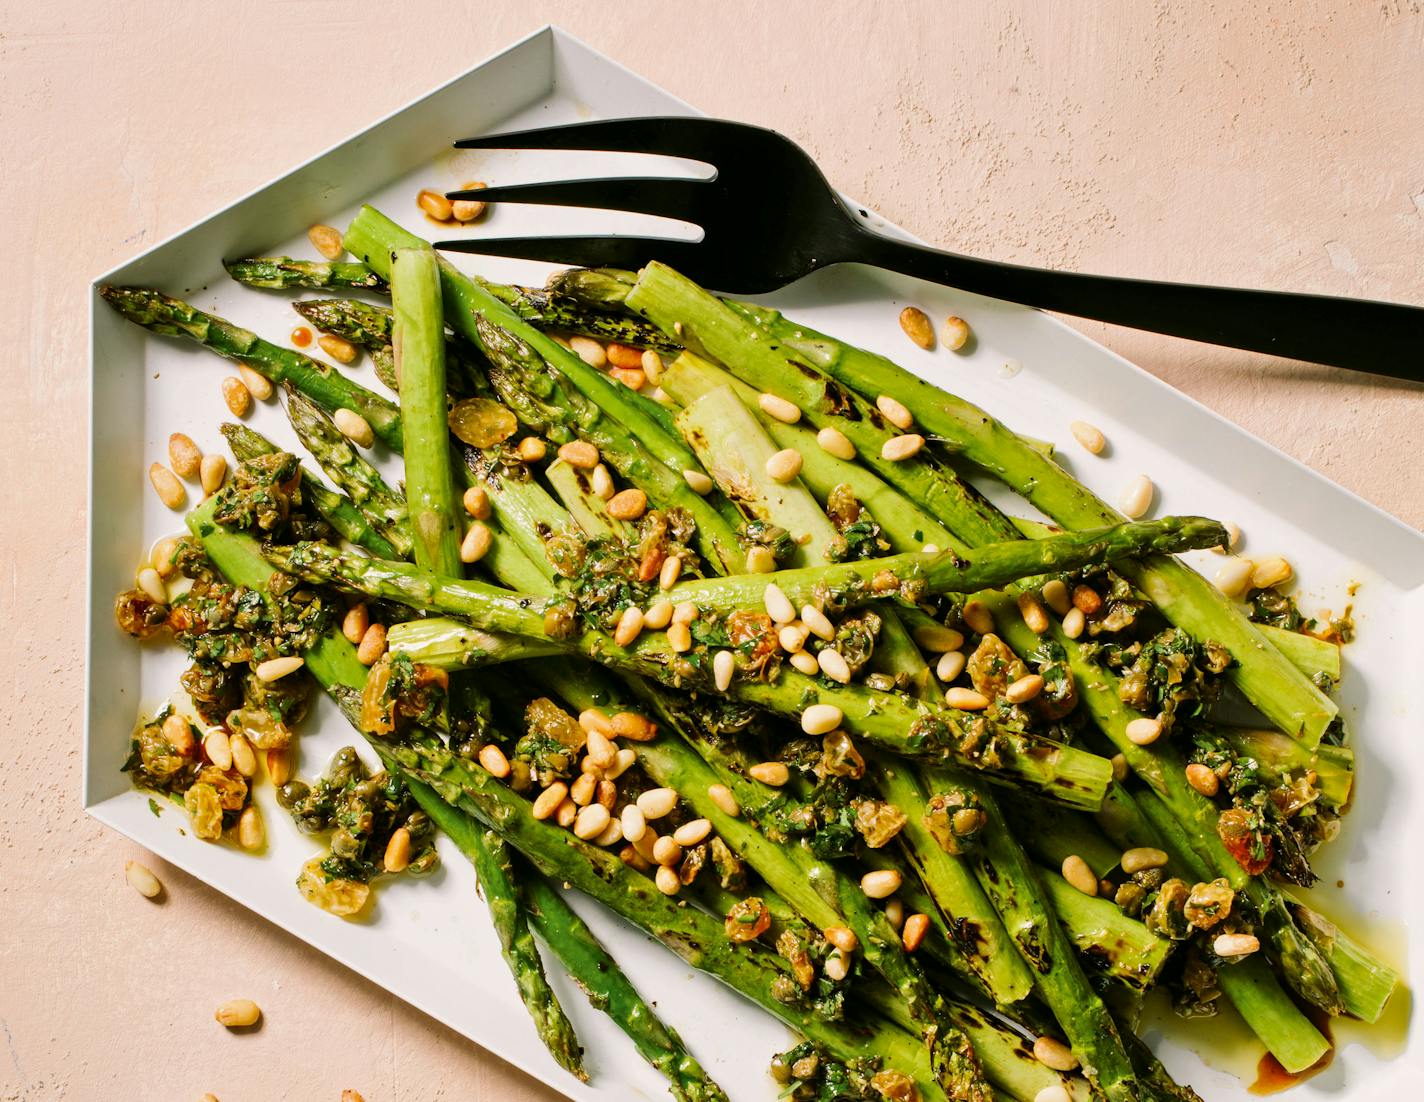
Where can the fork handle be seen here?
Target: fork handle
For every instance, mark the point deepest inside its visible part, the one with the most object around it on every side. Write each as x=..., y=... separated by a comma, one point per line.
x=1384, y=338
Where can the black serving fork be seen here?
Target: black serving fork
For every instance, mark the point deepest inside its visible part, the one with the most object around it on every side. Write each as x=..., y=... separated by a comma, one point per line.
x=769, y=217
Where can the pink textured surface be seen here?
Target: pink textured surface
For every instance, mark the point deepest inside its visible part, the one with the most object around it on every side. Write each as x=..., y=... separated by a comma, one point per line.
x=1266, y=144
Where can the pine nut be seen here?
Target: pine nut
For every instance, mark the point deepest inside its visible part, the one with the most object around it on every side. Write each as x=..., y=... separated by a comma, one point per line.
x=652, y=365
x=634, y=822
x=142, y=880
x=1142, y=857
x=611, y=835
x=477, y=502
x=494, y=761
x=606, y=793
x=601, y=750
x=1234, y=576
x=1054, y=1092
x=1270, y=573
x=1032, y=613
x=580, y=454
x=355, y=623
x=622, y=762
x=659, y=615
x=279, y=766
x=179, y=733
x=835, y=443
x=956, y=332
x=601, y=483
x=774, y=405
x=880, y=884
x=251, y=831
x=1090, y=436
x=1235, y=945
x=1055, y=596
x=628, y=504
x=666, y=851
x=1143, y=731
x=1203, y=779
x=211, y=473
x=338, y=348
x=684, y=612
x=476, y=543
x=258, y=385
x=726, y=802
x=238, y=1013
x=670, y=572
x=160, y=556
x=1024, y=689
x=354, y=427
x=531, y=449
x=166, y=485
x=244, y=758
x=566, y=813
x=1086, y=599
x=792, y=637
x=152, y=585
x=837, y=967
x=1053, y=1053
x=895, y=412
x=899, y=448
x=183, y=455
x=916, y=324
x=977, y=616
x=468, y=210
x=584, y=788
x=274, y=669
x=723, y=666
x=966, y=700
x=679, y=637
x=326, y=240
x=784, y=465
x=697, y=481
x=819, y=623
x=589, y=351
x=624, y=356
x=1136, y=497
x=591, y=821
x=548, y=801
x=833, y=664
x=1119, y=767
x=630, y=626
x=916, y=927
x=434, y=204
x=895, y=913
x=373, y=645
x=1233, y=538
x=1079, y=875
x=936, y=638
x=217, y=747
x=773, y=773
x=760, y=560
x=778, y=605
x=692, y=832
x=1074, y=623
x=667, y=880
x=950, y=665
x=821, y=719
x=237, y=396
x=803, y=661
x=657, y=802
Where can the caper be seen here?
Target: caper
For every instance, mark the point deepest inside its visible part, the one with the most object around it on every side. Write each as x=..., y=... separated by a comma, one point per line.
x=424, y=862
x=344, y=844
x=418, y=823
x=291, y=794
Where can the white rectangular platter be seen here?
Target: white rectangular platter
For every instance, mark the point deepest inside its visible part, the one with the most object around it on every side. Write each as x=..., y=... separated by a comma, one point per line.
x=430, y=943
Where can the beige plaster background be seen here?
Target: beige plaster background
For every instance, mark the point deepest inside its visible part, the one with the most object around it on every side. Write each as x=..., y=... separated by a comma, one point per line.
x=1259, y=142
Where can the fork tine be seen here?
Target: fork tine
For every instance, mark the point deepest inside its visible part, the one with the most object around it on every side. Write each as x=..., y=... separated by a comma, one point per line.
x=664, y=197
x=670, y=135
x=584, y=252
